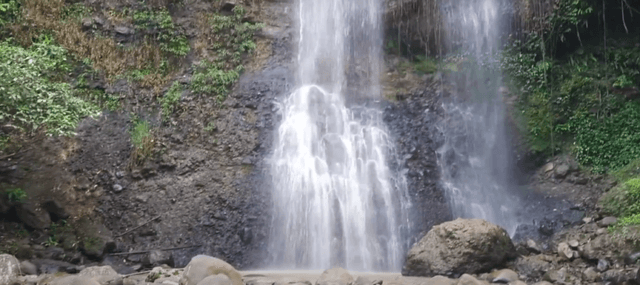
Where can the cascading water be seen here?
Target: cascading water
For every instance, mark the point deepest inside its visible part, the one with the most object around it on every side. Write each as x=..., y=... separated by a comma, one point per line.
x=336, y=202
x=474, y=159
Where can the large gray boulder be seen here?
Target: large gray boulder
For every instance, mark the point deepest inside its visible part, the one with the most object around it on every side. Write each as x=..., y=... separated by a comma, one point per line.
x=9, y=268
x=202, y=266
x=458, y=247
x=335, y=276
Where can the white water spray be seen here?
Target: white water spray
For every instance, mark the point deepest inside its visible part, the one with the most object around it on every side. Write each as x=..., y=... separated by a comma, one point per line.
x=336, y=201
x=474, y=159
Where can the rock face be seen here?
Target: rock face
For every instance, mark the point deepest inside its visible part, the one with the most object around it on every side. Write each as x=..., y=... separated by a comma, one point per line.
x=203, y=266
x=457, y=247
x=9, y=268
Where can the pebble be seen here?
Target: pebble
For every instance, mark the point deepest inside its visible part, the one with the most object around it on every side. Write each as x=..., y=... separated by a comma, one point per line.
x=117, y=188
x=603, y=265
x=608, y=221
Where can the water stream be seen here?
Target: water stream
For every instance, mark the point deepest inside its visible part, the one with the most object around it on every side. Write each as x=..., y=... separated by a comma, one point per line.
x=336, y=201
x=474, y=159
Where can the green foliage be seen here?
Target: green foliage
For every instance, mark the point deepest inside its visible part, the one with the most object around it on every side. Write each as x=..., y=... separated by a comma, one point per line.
x=16, y=195
x=571, y=103
x=629, y=171
x=75, y=12
x=211, y=126
x=610, y=142
x=170, y=40
x=232, y=39
x=425, y=65
x=170, y=100
x=623, y=201
x=32, y=96
x=9, y=11
x=210, y=78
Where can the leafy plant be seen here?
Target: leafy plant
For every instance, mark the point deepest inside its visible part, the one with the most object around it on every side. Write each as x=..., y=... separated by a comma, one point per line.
x=425, y=65
x=32, y=97
x=51, y=242
x=16, y=195
x=211, y=126
x=170, y=100
x=9, y=11
x=168, y=37
x=231, y=39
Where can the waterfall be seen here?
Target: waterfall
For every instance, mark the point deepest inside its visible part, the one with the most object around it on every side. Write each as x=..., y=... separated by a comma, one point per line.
x=474, y=158
x=336, y=201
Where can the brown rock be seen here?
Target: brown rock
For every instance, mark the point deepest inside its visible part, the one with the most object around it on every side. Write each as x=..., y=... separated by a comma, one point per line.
x=458, y=247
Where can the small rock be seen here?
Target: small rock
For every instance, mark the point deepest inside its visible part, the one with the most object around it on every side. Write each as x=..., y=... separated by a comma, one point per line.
x=591, y=275
x=157, y=258
x=620, y=276
x=119, y=174
x=219, y=279
x=601, y=231
x=548, y=167
x=533, y=247
x=543, y=283
x=117, y=188
x=561, y=171
x=632, y=258
x=574, y=244
x=565, y=251
x=608, y=221
x=467, y=279
x=102, y=274
x=87, y=23
x=202, y=266
x=553, y=276
x=517, y=282
x=587, y=220
x=603, y=265
x=228, y=6
x=504, y=276
x=123, y=30
x=28, y=268
x=9, y=268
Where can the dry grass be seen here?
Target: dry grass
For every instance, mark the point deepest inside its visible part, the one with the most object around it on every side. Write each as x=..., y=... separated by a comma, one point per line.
x=105, y=54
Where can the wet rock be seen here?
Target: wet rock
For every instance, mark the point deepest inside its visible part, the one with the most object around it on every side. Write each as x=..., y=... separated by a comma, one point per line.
x=47, y=266
x=632, y=258
x=457, y=247
x=565, y=251
x=561, y=171
x=573, y=244
x=97, y=239
x=467, y=279
x=532, y=246
x=117, y=188
x=619, y=276
x=607, y=221
x=124, y=30
x=32, y=216
x=504, y=276
x=335, y=276
x=603, y=265
x=361, y=280
x=591, y=275
x=597, y=248
x=102, y=274
x=219, y=279
x=55, y=210
x=157, y=258
x=543, y=283
x=227, y=6
x=202, y=266
x=28, y=268
x=9, y=268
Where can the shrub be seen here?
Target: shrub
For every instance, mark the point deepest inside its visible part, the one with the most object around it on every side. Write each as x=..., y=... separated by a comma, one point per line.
x=16, y=195
x=142, y=140
x=623, y=201
x=170, y=100
x=231, y=38
x=31, y=96
x=9, y=11
x=169, y=39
